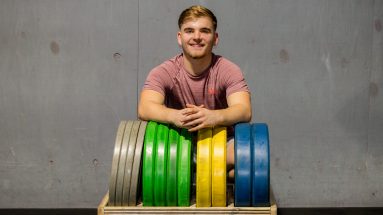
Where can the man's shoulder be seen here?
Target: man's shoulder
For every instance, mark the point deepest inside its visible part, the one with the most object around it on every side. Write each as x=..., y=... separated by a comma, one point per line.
x=221, y=62
x=172, y=64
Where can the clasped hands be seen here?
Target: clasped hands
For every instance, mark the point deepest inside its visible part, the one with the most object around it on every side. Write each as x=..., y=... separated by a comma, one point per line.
x=195, y=117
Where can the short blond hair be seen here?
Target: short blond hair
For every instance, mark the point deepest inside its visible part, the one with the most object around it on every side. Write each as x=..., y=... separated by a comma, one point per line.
x=196, y=11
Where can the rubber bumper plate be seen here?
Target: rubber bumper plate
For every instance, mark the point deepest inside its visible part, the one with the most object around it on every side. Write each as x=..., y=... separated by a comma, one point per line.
x=129, y=162
x=136, y=171
x=148, y=164
x=171, y=171
x=160, y=165
x=122, y=163
x=261, y=165
x=203, y=196
x=184, y=168
x=115, y=161
x=242, y=170
x=218, y=171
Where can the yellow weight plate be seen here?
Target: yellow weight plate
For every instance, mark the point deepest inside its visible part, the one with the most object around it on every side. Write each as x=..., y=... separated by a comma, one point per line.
x=218, y=168
x=203, y=198
x=115, y=161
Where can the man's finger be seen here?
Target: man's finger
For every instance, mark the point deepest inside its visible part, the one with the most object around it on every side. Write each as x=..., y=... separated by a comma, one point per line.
x=196, y=128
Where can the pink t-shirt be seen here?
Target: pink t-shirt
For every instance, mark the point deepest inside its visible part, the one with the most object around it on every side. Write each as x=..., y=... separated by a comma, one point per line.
x=211, y=88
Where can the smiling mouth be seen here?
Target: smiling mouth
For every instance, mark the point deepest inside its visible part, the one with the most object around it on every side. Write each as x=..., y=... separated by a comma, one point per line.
x=197, y=45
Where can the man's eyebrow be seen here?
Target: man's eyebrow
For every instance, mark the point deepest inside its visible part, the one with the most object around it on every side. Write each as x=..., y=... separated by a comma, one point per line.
x=188, y=29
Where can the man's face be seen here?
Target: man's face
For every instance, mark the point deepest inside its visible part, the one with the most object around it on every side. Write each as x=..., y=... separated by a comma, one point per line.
x=197, y=37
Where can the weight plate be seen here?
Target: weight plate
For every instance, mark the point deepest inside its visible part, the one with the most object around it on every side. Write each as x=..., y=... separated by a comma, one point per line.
x=171, y=172
x=242, y=170
x=160, y=165
x=136, y=170
x=261, y=165
x=129, y=162
x=116, y=158
x=122, y=163
x=218, y=168
x=203, y=198
x=184, y=168
x=148, y=164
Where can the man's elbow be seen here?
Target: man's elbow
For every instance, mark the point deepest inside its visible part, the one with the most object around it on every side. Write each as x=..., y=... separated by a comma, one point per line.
x=248, y=116
x=141, y=114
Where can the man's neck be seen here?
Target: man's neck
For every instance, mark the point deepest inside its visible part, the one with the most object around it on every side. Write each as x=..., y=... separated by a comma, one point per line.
x=196, y=67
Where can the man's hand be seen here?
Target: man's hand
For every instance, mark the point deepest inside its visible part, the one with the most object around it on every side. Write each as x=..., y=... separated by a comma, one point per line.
x=197, y=117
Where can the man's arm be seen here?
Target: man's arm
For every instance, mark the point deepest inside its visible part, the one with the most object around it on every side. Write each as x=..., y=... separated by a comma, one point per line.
x=238, y=110
x=151, y=107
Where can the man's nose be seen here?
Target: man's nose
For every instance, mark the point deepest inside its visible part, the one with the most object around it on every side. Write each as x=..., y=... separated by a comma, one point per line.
x=197, y=35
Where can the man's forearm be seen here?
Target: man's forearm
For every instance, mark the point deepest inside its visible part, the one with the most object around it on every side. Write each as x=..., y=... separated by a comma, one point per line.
x=234, y=114
x=155, y=112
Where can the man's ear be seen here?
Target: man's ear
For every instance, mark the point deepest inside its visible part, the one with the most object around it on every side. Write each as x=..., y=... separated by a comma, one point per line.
x=216, y=39
x=179, y=38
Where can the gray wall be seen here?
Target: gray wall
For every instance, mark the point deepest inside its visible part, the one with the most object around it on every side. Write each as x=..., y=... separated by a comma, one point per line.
x=71, y=70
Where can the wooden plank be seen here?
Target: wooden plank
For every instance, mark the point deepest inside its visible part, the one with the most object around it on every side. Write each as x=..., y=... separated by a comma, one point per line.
x=104, y=209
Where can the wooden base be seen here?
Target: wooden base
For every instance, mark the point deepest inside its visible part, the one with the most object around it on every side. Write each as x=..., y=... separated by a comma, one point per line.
x=104, y=209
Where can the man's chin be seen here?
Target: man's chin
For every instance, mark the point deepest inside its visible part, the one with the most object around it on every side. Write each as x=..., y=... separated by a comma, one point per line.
x=196, y=57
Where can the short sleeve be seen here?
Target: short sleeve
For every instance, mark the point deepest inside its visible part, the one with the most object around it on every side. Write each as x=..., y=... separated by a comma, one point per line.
x=234, y=80
x=158, y=80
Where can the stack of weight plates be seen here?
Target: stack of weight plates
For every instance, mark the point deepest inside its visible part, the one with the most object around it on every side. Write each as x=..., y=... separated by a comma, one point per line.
x=166, y=166
x=124, y=180
x=165, y=173
x=252, y=165
x=211, y=167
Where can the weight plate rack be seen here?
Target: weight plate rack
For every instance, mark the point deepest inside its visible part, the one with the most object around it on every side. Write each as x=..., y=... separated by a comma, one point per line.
x=151, y=171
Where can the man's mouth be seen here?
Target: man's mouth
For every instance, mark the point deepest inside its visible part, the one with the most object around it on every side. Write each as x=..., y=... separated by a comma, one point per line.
x=197, y=45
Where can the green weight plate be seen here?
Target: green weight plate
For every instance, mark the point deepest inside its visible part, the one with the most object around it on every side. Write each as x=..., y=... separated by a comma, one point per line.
x=148, y=164
x=171, y=174
x=116, y=158
x=136, y=171
x=122, y=163
x=184, y=168
x=160, y=165
x=129, y=163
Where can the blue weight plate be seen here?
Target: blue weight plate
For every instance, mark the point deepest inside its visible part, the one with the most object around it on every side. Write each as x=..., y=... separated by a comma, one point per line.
x=242, y=170
x=261, y=165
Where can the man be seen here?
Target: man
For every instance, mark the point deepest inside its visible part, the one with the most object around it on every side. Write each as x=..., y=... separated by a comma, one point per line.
x=197, y=89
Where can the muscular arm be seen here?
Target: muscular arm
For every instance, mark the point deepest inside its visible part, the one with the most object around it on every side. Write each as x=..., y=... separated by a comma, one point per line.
x=238, y=110
x=151, y=107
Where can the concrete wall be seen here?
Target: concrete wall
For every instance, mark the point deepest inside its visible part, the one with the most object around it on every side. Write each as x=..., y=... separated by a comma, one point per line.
x=71, y=70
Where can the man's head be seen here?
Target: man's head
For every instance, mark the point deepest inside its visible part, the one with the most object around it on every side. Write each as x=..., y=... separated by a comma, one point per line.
x=197, y=34
x=196, y=11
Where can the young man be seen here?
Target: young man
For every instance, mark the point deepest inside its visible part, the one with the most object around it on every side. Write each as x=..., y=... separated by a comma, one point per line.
x=197, y=89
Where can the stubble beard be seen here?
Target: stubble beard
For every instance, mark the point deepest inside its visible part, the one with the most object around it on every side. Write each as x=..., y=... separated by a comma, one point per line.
x=195, y=56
